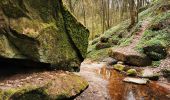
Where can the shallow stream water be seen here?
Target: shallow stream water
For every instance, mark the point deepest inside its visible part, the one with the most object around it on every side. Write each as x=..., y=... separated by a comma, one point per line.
x=107, y=84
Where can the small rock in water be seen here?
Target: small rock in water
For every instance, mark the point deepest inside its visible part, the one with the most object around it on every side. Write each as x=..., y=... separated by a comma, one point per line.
x=148, y=73
x=136, y=80
x=2, y=84
x=110, y=61
x=168, y=95
x=120, y=62
x=119, y=67
x=131, y=72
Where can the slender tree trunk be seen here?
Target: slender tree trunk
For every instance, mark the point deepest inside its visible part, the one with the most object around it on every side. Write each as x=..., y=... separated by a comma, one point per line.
x=84, y=12
x=103, y=17
x=132, y=12
x=108, y=14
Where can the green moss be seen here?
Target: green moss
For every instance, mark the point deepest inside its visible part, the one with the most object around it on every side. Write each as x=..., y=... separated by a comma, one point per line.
x=154, y=38
x=69, y=86
x=156, y=64
x=37, y=94
x=131, y=72
x=79, y=34
x=98, y=55
x=125, y=41
x=119, y=67
x=5, y=95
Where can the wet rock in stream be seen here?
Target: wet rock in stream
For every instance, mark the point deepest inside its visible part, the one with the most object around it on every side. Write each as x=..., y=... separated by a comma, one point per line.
x=136, y=80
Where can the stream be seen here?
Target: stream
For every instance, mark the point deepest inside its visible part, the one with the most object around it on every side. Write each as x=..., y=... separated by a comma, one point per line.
x=106, y=84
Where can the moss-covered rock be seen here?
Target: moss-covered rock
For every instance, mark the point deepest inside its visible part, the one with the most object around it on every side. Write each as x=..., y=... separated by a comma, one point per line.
x=102, y=45
x=43, y=86
x=119, y=67
x=43, y=31
x=155, y=52
x=104, y=39
x=131, y=72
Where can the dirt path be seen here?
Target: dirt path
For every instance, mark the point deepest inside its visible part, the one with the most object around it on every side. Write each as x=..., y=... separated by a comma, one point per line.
x=136, y=38
x=138, y=35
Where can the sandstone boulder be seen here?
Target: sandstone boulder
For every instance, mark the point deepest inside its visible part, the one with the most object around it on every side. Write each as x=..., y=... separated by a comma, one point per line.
x=42, y=31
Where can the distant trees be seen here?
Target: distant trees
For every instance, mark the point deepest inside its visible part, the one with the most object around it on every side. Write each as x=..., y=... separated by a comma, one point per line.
x=100, y=15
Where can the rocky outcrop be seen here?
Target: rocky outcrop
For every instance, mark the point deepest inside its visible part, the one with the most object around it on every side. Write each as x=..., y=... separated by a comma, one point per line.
x=43, y=31
x=130, y=56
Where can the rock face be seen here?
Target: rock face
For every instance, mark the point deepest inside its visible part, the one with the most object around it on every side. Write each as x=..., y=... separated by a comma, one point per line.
x=43, y=31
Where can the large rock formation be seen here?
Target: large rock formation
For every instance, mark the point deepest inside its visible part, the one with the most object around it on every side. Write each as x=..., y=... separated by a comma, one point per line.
x=42, y=31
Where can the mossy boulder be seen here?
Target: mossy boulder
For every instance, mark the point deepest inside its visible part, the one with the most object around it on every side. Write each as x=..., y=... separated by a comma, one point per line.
x=102, y=45
x=42, y=86
x=43, y=31
x=155, y=52
x=114, y=41
x=131, y=72
x=119, y=67
x=104, y=39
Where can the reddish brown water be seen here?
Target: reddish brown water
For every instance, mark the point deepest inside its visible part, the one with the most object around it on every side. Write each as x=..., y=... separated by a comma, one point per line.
x=106, y=84
x=120, y=90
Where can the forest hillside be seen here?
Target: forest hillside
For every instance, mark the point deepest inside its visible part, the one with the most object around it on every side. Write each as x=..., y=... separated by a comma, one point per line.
x=147, y=43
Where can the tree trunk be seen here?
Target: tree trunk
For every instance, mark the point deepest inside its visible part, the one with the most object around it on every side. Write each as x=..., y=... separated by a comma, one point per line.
x=84, y=12
x=132, y=12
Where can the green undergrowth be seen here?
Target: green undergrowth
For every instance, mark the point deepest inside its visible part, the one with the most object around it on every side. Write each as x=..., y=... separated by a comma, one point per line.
x=156, y=64
x=125, y=41
x=153, y=15
x=156, y=37
x=98, y=55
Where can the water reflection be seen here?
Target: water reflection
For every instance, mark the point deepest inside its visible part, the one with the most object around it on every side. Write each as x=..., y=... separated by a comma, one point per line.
x=120, y=90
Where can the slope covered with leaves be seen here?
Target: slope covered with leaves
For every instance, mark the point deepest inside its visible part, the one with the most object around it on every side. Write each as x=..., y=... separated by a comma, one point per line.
x=157, y=32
